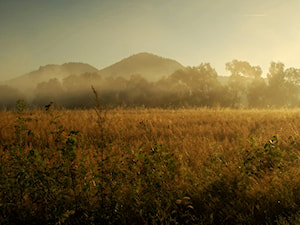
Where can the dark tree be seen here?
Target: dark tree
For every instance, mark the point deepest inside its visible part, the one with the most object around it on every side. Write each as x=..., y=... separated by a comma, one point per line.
x=277, y=93
x=9, y=96
x=51, y=91
x=244, y=82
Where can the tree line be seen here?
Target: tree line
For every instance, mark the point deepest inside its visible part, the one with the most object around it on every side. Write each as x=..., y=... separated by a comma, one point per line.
x=198, y=86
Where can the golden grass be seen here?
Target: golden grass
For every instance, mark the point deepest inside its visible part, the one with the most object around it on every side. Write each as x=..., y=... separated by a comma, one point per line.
x=188, y=129
x=209, y=147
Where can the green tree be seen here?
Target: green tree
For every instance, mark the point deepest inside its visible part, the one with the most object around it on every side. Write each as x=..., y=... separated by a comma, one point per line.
x=245, y=83
x=46, y=92
x=277, y=92
x=284, y=85
x=201, y=84
x=9, y=96
x=138, y=91
x=243, y=69
x=256, y=93
x=292, y=83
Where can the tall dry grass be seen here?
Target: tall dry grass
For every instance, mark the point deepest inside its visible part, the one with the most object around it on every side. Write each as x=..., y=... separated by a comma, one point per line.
x=149, y=166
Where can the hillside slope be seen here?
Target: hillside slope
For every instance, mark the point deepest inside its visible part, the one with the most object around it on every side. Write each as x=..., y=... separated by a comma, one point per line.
x=150, y=66
x=45, y=73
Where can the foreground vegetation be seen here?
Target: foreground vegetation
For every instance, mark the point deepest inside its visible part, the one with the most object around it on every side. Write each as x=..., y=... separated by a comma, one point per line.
x=149, y=166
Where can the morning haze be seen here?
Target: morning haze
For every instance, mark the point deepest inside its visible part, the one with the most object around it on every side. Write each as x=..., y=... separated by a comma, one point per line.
x=149, y=112
x=36, y=33
x=55, y=51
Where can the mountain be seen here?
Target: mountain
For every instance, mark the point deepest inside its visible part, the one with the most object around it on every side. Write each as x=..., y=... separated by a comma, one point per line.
x=150, y=66
x=45, y=73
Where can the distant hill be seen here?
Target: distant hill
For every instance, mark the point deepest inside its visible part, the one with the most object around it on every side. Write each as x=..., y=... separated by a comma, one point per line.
x=45, y=73
x=151, y=67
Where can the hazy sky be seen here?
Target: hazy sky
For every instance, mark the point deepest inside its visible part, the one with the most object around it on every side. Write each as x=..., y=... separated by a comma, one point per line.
x=102, y=32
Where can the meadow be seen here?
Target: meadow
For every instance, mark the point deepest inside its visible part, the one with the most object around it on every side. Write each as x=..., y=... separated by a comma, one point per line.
x=149, y=166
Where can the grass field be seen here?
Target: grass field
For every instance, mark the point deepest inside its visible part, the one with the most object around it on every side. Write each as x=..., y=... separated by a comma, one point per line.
x=149, y=166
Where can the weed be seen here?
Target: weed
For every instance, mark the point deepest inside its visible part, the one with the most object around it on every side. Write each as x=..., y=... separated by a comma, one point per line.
x=149, y=166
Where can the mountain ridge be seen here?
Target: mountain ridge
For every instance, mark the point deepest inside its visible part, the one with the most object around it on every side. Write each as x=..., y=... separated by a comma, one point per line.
x=150, y=66
x=50, y=71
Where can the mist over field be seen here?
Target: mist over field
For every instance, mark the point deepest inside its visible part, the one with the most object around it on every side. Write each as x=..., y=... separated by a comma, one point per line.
x=149, y=80
x=150, y=112
x=207, y=53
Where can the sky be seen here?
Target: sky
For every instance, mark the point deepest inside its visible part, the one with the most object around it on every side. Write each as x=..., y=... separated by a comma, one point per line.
x=35, y=33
